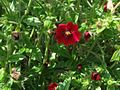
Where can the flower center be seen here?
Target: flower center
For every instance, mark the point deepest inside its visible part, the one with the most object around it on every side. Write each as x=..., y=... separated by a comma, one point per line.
x=67, y=33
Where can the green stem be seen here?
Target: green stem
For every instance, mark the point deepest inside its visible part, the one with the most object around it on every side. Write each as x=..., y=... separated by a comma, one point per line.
x=26, y=11
x=44, y=59
x=40, y=5
x=113, y=65
x=103, y=56
x=89, y=50
x=46, y=50
x=103, y=60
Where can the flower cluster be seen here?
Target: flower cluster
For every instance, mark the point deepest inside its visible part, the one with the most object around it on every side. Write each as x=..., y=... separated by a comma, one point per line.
x=68, y=34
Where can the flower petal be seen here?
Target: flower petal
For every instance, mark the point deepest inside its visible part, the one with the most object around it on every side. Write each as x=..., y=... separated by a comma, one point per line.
x=69, y=26
x=75, y=27
x=76, y=36
x=62, y=26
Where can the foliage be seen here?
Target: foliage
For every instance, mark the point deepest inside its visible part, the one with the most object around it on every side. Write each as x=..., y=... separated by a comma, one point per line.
x=31, y=58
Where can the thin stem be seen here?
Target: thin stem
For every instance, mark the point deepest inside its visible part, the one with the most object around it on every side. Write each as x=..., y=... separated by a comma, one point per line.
x=118, y=4
x=89, y=4
x=103, y=56
x=90, y=49
x=32, y=32
x=113, y=65
x=103, y=60
x=46, y=50
x=27, y=10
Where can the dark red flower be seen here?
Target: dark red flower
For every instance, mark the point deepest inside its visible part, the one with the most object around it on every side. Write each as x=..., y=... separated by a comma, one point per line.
x=105, y=7
x=52, y=86
x=79, y=66
x=95, y=76
x=108, y=6
x=87, y=36
x=67, y=34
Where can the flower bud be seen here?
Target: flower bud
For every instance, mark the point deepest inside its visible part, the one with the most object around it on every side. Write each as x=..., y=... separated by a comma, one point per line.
x=95, y=76
x=79, y=66
x=52, y=86
x=87, y=36
x=16, y=35
x=15, y=75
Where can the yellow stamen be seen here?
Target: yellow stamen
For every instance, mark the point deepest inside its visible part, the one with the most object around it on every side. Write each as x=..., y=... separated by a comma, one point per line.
x=67, y=33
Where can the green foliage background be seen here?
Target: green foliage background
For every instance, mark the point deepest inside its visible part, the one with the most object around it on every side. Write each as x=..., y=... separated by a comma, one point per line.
x=41, y=60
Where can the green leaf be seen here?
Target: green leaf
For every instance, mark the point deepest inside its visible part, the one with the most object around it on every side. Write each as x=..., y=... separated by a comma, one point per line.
x=32, y=21
x=116, y=56
x=1, y=74
x=111, y=87
x=65, y=85
x=15, y=58
x=98, y=88
x=2, y=36
x=26, y=40
x=61, y=50
x=2, y=52
x=37, y=54
x=115, y=71
x=100, y=30
x=76, y=18
x=12, y=7
x=47, y=23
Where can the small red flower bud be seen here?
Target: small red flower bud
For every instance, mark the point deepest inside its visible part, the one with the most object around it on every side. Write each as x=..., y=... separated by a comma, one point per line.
x=105, y=7
x=79, y=66
x=52, y=86
x=87, y=36
x=108, y=6
x=95, y=76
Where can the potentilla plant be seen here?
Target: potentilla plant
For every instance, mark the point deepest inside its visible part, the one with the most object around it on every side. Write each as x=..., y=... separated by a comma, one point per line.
x=59, y=45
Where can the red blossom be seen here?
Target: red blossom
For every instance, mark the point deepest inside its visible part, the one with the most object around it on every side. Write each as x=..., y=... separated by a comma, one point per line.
x=87, y=36
x=95, y=76
x=105, y=7
x=52, y=86
x=79, y=66
x=108, y=6
x=67, y=34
